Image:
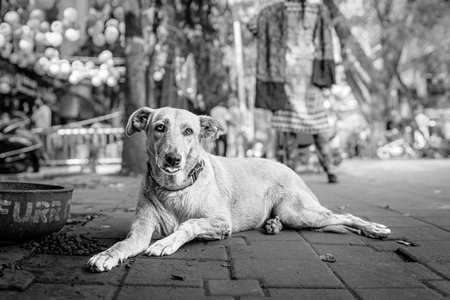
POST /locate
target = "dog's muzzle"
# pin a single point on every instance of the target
(173, 159)
(172, 162)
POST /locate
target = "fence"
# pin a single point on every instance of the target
(74, 146)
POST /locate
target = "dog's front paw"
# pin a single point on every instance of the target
(376, 231)
(104, 261)
(161, 248)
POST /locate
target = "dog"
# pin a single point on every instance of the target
(188, 193)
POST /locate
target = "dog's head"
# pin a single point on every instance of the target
(173, 136)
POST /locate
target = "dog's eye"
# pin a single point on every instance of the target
(160, 127)
(188, 131)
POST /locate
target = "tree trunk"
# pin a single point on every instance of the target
(169, 95)
(369, 85)
(133, 154)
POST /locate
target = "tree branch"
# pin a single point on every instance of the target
(349, 42)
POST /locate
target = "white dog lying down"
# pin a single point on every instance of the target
(189, 193)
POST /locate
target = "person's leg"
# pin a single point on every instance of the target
(225, 144)
(35, 156)
(322, 143)
(231, 142)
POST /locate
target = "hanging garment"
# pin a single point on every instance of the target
(270, 34)
(284, 73)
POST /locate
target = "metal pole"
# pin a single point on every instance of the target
(239, 57)
(240, 70)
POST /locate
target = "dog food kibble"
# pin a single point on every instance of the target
(64, 243)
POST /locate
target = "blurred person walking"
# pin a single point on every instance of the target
(235, 136)
(94, 146)
(222, 115)
(423, 123)
(42, 116)
(290, 78)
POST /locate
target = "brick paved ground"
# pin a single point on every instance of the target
(411, 197)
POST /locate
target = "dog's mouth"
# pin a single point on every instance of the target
(170, 171)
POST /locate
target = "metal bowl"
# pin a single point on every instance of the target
(30, 210)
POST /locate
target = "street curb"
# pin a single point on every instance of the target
(47, 173)
(35, 176)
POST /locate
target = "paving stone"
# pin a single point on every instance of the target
(233, 288)
(87, 197)
(306, 294)
(288, 273)
(64, 269)
(92, 201)
(419, 271)
(164, 293)
(399, 221)
(90, 208)
(419, 213)
(367, 193)
(438, 220)
(419, 234)
(234, 240)
(373, 274)
(397, 294)
(128, 204)
(58, 291)
(111, 226)
(441, 267)
(280, 250)
(315, 237)
(432, 251)
(16, 280)
(352, 254)
(259, 234)
(172, 272)
(197, 250)
(385, 245)
(10, 253)
(442, 286)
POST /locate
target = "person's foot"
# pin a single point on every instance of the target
(332, 178)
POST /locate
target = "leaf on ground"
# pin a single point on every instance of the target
(327, 258)
(405, 243)
(177, 277)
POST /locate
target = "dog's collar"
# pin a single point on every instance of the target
(192, 178)
(196, 171)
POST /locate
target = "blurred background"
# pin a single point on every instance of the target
(72, 72)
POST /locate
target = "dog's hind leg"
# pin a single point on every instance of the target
(273, 226)
(295, 214)
(344, 229)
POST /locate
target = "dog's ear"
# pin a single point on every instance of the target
(138, 120)
(209, 127)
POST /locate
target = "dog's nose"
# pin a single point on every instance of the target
(173, 159)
